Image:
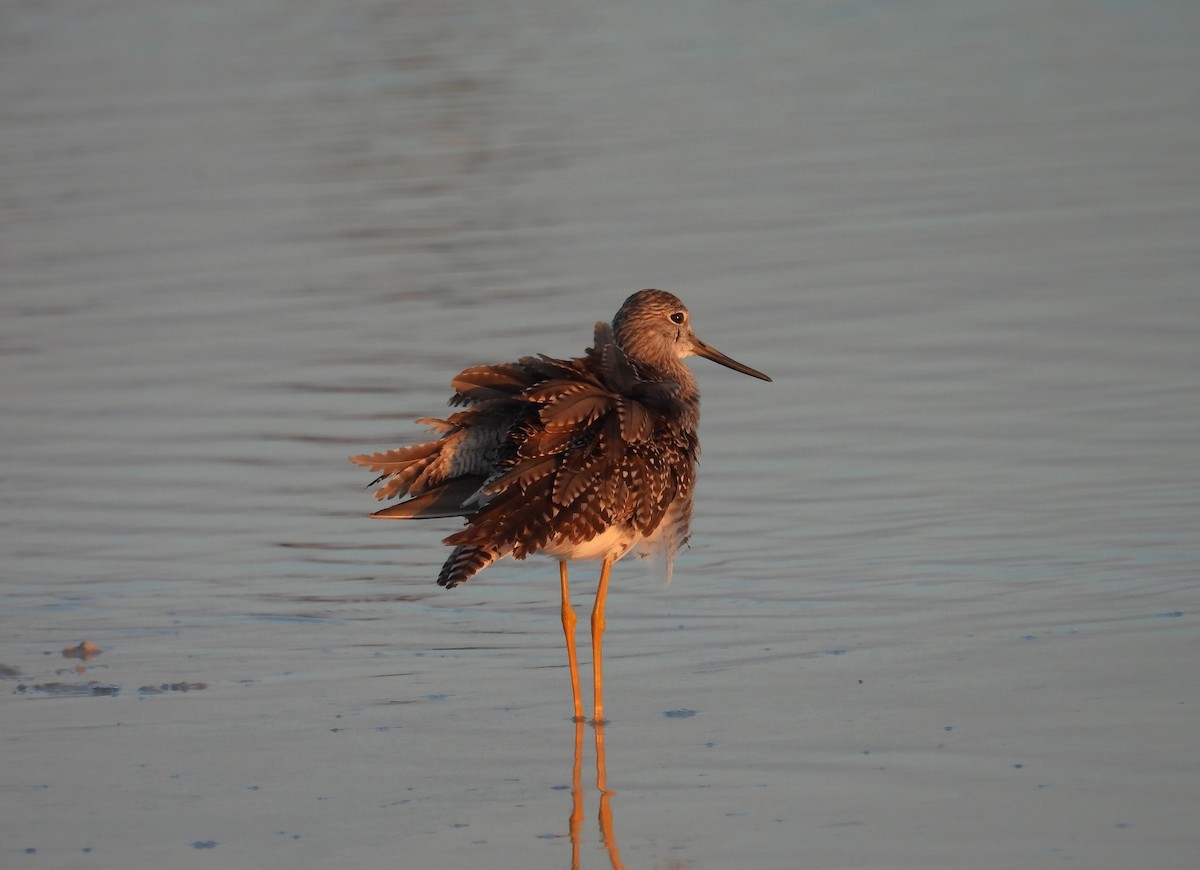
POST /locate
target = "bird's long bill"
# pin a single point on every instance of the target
(709, 352)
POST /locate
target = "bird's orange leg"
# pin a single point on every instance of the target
(597, 636)
(568, 621)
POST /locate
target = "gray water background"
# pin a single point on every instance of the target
(941, 604)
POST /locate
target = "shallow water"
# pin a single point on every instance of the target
(940, 608)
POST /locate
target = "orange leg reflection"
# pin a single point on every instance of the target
(607, 834)
(576, 821)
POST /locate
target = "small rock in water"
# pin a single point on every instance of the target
(85, 650)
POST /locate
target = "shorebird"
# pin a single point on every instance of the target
(589, 458)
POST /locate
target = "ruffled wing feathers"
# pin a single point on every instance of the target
(549, 453)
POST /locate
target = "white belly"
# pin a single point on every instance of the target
(614, 540)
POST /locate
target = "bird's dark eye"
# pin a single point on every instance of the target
(677, 317)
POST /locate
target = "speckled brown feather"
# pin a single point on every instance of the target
(576, 457)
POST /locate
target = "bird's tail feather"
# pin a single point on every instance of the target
(464, 563)
(448, 500)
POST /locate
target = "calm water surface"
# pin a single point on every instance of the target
(941, 605)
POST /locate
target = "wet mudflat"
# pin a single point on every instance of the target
(940, 608)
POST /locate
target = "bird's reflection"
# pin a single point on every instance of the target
(607, 835)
